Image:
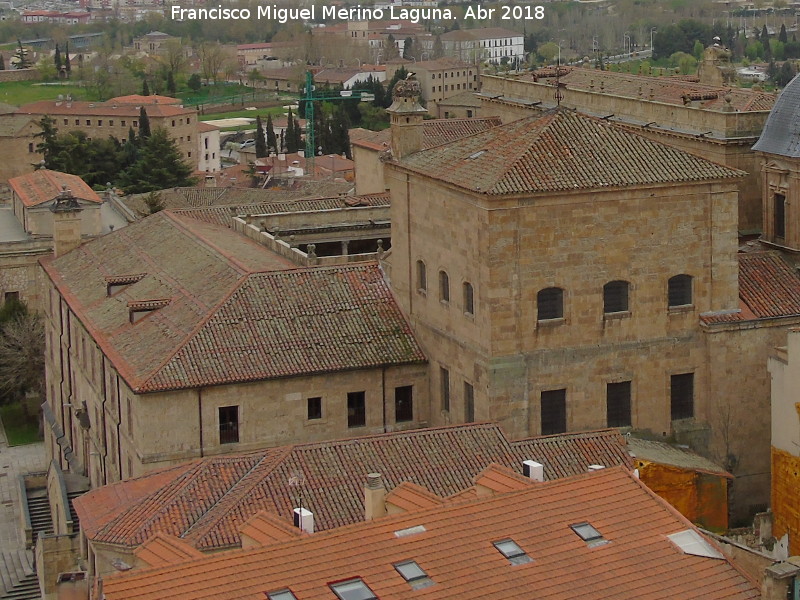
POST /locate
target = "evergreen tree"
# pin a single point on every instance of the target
(261, 143)
(408, 45)
(144, 125)
(145, 88)
(291, 145)
(22, 56)
(764, 34)
(782, 36)
(160, 165)
(194, 83)
(298, 134)
(2, 63)
(283, 141)
(67, 65)
(272, 142)
(438, 48)
(57, 59)
(399, 75)
(390, 51)
(171, 87)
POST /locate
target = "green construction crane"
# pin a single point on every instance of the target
(309, 98)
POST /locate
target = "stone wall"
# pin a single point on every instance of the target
(19, 75)
(20, 270)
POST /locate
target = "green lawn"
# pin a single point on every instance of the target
(19, 430)
(23, 92)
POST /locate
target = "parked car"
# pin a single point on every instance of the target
(247, 144)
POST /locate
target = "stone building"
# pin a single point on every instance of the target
(564, 273)
(439, 79)
(117, 116)
(719, 123)
(176, 338)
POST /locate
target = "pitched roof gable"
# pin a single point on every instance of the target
(435, 132)
(456, 551)
(443, 460)
(560, 151)
(44, 185)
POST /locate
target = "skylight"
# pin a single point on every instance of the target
(477, 154)
(589, 534)
(691, 542)
(414, 574)
(410, 531)
(353, 589)
(512, 552)
(281, 595)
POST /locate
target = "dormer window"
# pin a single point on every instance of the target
(115, 283)
(138, 310)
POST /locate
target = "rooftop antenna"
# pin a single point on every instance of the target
(297, 480)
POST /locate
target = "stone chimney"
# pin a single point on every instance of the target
(66, 222)
(406, 115)
(778, 578)
(374, 497)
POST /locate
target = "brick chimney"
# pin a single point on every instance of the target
(374, 497)
(406, 115)
(66, 222)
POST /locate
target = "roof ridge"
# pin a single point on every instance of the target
(199, 525)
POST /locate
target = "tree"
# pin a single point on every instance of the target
(272, 142)
(160, 165)
(697, 50)
(548, 51)
(145, 88)
(144, 124)
(399, 75)
(291, 144)
(57, 59)
(390, 50)
(261, 142)
(194, 83)
(21, 354)
(67, 65)
(154, 202)
(2, 63)
(438, 48)
(171, 87)
(173, 56)
(212, 58)
(21, 54)
(785, 74)
(782, 36)
(408, 44)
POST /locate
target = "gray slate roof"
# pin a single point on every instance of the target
(781, 134)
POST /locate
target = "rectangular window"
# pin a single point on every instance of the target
(100, 122)
(314, 408)
(403, 404)
(88, 121)
(66, 121)
(618, 404)
(780, 215)
(123, 123)
(469, 402)
(554, 411)
(681, 395)
(228, 424)
(444, 383)
(111, 123)
(356, 409)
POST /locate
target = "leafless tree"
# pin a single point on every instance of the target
(22, 355)
(173, 55)
(212, 58)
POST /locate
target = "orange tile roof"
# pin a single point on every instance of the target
(768, 287)
(409, 496)
(105, 109)
(140, 100)
(226, 491)
(264, 528)
(224, 322)
(455, 549)
(162, 549)
(44, 185)
(672, 90)
(561, 151)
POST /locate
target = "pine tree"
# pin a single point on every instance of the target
(272, 142)
(2, 63)
(782, 36)
(408, 44)
(261, 144)
(22, 56)
(144, 124)
(145, 88)
(160, 165)
(171, 87)
(291, 146)
(298, 134)
(67, 66)
(438, 48)
(390, 50)
(57, 59)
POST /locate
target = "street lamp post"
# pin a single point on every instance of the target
(652, 30)
(626, 43)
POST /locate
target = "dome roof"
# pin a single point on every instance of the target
(781, 134)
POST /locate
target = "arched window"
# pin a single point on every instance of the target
(615, 296)
(469, 298)
(422, 276)
(679, 290)
(444, 286)
(550, 304)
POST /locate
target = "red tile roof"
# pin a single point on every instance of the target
(104, 109)
(226, 491)
(672, 90)
(237, 311)
(140, 100)
(454, 547)
(768, 287)
(435, 132)
(44, 185)
(560, 151)
(162, 549)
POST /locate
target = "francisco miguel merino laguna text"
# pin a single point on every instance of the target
(284, 15)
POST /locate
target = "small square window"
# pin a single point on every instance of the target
(414, 574)
(588, 534)
(281, 595)
(353, 589)
(314, 408)
(511, 550)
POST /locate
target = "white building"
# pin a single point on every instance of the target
(209, 159)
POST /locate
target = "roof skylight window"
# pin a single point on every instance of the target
(477, 154)
(589, 534)
(691, 542)
(413, 574)
(353, 589)
(512, 552)
(281, 595)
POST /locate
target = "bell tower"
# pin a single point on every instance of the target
(406, 115)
